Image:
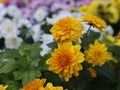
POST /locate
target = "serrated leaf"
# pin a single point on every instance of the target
(42, 64)
(18, 75)
(35, 50)
(10, 54)
(8, 66)
(30, 75)
(13, 85)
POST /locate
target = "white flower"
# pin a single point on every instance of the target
(24, 22)
(45, 49)
(1, 6)
(109, 30)
(36, 32)
(0, 33)
(8, 28)
(13, 42)
(76, 14)
(13, 11)
(16, 19)
(3, 12)
(47, 38)
(40, 14)
(86, 26)
(56, 17)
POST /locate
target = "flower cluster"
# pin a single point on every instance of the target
(66, 59)
(59, 44)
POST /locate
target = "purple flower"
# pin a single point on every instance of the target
(18, 3)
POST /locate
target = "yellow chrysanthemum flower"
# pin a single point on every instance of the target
(38, 84)
(35, 84)
(113, 14)
(83, 8)
(3, 87)
(65, 61)
(97, 54)
(94, 21)
(67, 29)
(49, 86)
(92, 72)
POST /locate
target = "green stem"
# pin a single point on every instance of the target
(88, 31)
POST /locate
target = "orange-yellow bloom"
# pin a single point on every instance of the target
(3, 87)
(38, 84)
(67, 29)
(94, 21)
(97, 54)
(49, 86)
(34, 85)
(65, 61)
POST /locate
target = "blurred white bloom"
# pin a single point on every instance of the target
(24, 22)
(13, 42)
(109, 30)
(36, 32)
(0, 33)
(76, 14)
(2, 13)
(40, 14)
(45, 49)
(56, 17)
(47, 38)
(8, 28)
(16, 19)
(86, 27)
(14, 11)
(1, 6)
(2, 50)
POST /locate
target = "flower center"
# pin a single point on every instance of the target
(65, 61)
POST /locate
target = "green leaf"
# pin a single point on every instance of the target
(8, 66)
(10, 54)
(90, 38)
(35, 50)
(118, 86)
(42, 64)
(52, 45)
(13, 85)
(115, 51)
(18, 75)
(106, 71)
(51, 77)
(117, 71)
(24, 48)
(30, 75)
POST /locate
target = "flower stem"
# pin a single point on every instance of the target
(88, 31)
